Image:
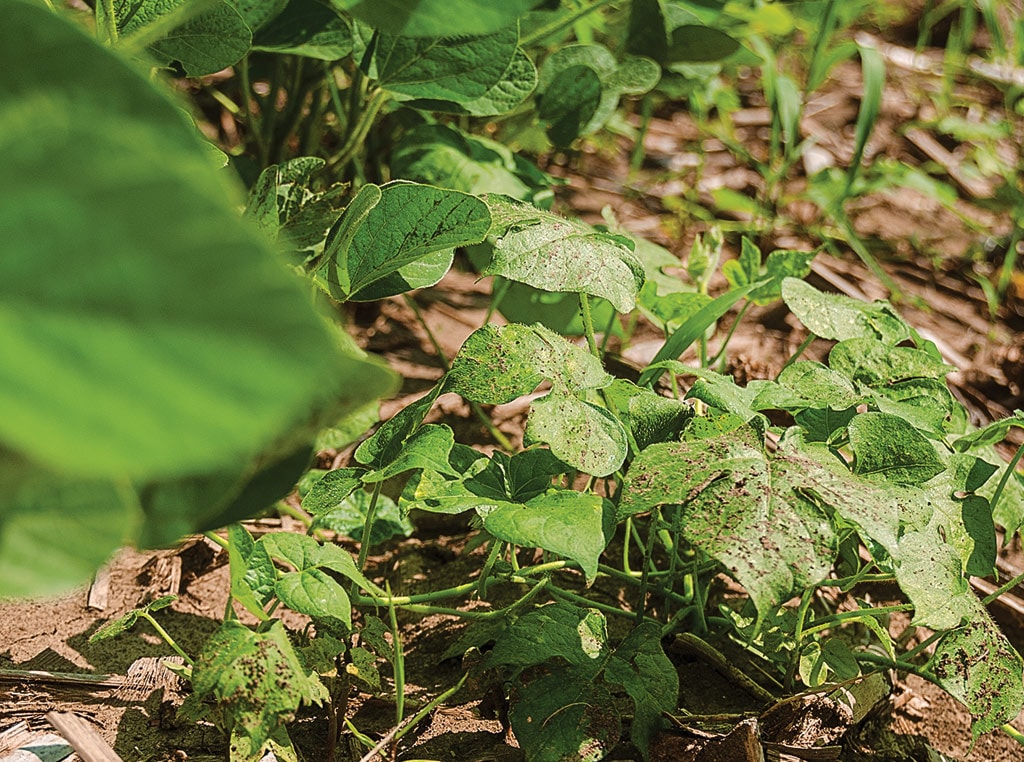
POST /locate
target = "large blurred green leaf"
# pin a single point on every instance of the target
(437, 18)
(145, 327)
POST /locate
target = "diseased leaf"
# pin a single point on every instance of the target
(888, 447)
(752, 514)
(978, 666)
(875, 363)
(585, 436)
(386, 443)
(838, 317)
(317, 595)
(349, 517)
(331, 490)
(565, 522)
(497, 364)
(428, 447)
(555, 254)
(256, 679)
(641, 667)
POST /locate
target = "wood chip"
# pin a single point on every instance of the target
(89, 744)
(41, 747)
(99, 591)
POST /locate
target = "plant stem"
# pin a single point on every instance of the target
(1010, 470)
(648, 555)
(399, 666)
(252, 118)
(690, 643)
(562, 23)
(826, 623)
(799, 351)
(166, 637)
(216, 539)
(720, 354)
(371, 514)
(588, 325)
(357, 136)
(109, 25)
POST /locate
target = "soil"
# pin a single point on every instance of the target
(929, 252)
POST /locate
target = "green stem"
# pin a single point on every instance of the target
(109, 25)
(361, 129)
(799, 351)
(371, 514)
(732, 329)
(898, 664)
(216, 539)
(648, 557)
(252, 118)
(562, 23)
(828, 622)
(603, 607)
(1010, 470)
(1008, 586)
(588, 325)
(1013, 733)
(166, 637)
(399, 663)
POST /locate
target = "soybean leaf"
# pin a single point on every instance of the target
(256, 679)
(837, 317)
(646, 34)
(444, 68)
(256, 13)
(55, 531)
(331, 490)
(565, 716)
(692, 43)
(349, 517)
(888, 447)
(307, 28)
(819, 385)
(498, 364)
(253, 574)
(650, 417)
(203, 44)
(316, 594)
(428, 447)
(125, 622)
(585, 436)
(165, 336)
(978, 666)
(437, 18)
(641, 667)
(989, 435)
(388, 227)
(566, 522)
(927, 403)
(750, 513)
(555, 254)
(438, 154)
(386, 443)
(579, 87)
(874, 363)
(512, 88)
